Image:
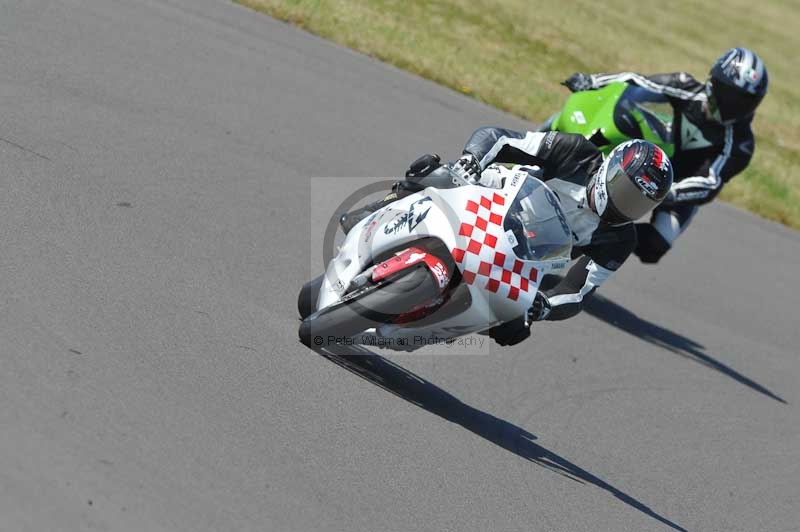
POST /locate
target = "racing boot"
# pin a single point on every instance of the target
(650, 245)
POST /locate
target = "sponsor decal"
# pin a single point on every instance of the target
(691, 136)
(415, 219)
(551, 136)
(440, 272)
(512, 240)
(395, 225)
(646, 184)
(415, 257)
(600, 194)
(410, 219)
(371, 223)
(578, 117)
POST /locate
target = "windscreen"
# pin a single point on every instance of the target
(537, 223)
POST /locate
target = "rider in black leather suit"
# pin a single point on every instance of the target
(713, 137)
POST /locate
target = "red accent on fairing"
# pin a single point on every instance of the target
(411, 257)
(523, 284)
(397, 263)
(501, 271)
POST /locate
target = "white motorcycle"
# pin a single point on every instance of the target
(439, 264)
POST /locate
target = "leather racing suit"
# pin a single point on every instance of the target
(707, 154)
(567, 162)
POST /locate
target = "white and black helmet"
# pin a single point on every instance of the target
(736, 85)
(633, 179)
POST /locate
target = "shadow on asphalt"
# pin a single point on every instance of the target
(616, 315)
(426, 395)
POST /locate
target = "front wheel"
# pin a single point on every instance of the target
(369, 307)
(307, 298)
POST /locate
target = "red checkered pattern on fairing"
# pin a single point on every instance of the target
(478, 258)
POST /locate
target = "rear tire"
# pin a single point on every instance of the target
(369, 307)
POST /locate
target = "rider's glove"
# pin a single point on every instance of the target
(468, 168)
(540, 308)
(578, 82)
(491, 179)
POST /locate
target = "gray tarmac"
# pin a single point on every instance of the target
(157, 218)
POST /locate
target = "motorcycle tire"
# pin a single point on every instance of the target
(368, 307)
(307, 298)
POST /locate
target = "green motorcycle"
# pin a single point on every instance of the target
(616, 113)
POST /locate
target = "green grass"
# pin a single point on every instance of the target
(512, 54)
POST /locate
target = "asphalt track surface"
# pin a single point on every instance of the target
(157, 219)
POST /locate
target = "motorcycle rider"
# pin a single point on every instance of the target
(600, 198)
(713, 138)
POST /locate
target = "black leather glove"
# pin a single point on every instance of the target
(510, 333)
(540, 308)
(467, 167)
(578, 82)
